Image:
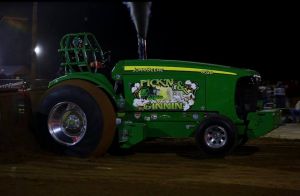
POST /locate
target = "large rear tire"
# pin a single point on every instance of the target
(76, 118)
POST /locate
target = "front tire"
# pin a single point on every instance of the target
(75, 118)
(216, 136)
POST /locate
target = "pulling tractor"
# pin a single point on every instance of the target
(88, 112)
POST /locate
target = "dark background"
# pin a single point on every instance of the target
(256, 36)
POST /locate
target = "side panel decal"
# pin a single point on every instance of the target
(164, 94)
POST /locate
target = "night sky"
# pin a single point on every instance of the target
(256, 36)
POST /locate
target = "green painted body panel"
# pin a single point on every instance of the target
(131, 134)
(220, 93)
(262, 122)
(215, 93)
(171, 129)
(157, 124)
(96, 78)
(119, 68)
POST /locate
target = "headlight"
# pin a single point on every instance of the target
(257, 78)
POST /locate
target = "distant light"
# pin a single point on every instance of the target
(37, 50)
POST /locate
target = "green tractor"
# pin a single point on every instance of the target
(87, 112)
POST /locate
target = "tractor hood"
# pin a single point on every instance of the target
(158, 66)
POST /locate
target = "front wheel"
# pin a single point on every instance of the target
(216, 136)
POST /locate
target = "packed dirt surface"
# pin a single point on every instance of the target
(163, 167)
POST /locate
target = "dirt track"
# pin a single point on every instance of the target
(262, 167)
(163, 167)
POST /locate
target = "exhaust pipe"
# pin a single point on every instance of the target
(142, 47)
(140, 14)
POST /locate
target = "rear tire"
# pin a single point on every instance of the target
(75, 118)
(216, 136)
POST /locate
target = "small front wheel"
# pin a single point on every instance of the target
(216, 136)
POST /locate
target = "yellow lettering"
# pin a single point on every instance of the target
(178, 106)
(153, 83)
(169, 82)
(147, 107)
(168, 106)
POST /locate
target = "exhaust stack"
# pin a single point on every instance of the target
(140, 12)
(142, 47)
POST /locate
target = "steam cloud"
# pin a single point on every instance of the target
(140, 12)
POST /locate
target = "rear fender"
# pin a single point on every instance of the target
(98, 79)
